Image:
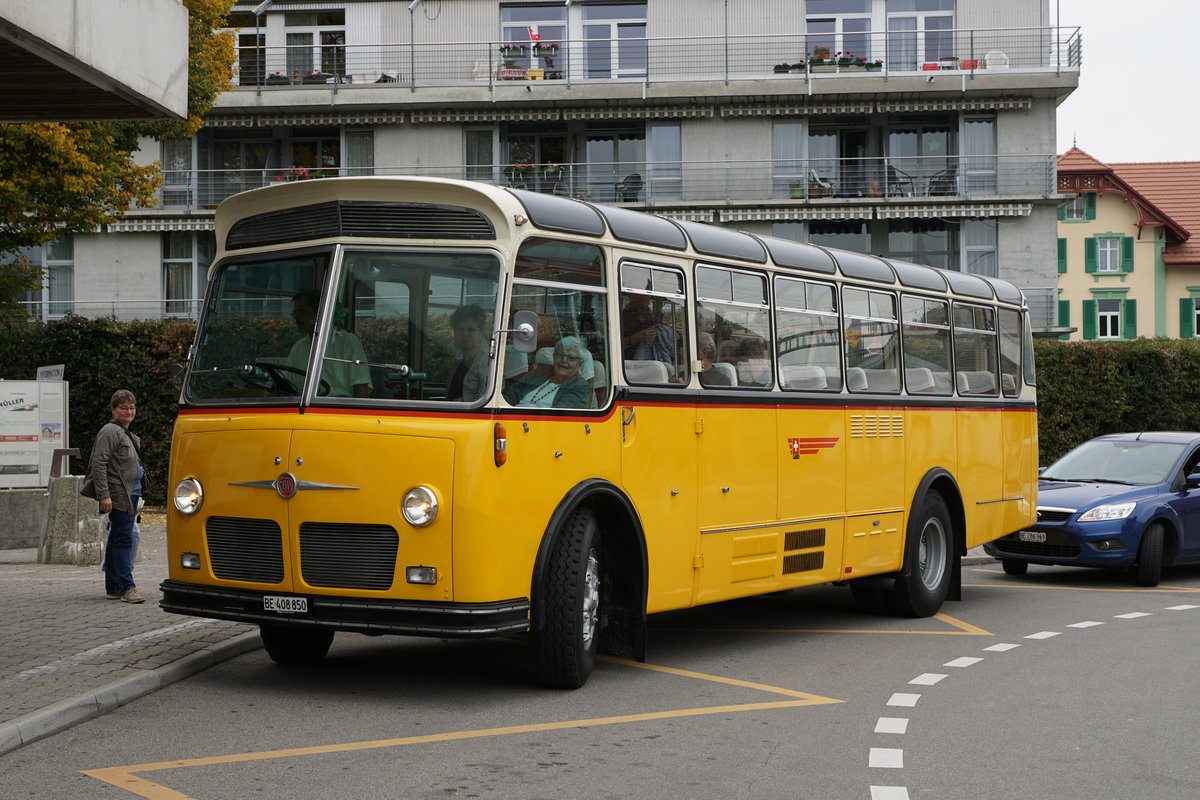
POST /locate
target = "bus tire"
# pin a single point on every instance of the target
(295, 646)
(928, 551)
(1014, 567)
(565, 648)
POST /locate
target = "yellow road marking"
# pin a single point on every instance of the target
(125, 777)
(964, 629)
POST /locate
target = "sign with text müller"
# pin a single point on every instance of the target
(33, 424)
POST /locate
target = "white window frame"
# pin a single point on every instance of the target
(1076, 209)
(1108, 320)
(1108, 254)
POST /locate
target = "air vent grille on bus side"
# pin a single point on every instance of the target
(360, 220)
(804, 540)
(803, 562)
(245, 549)
(348, 556)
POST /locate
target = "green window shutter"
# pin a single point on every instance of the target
(1187, 318)
(1064, 316)
(1129, 318)
(1062, 212)
(1089, 205)
(1089, 255)
(1127, 254)
(1089, 319)
(1062, 256)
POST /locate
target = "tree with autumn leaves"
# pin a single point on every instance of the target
(57, 179)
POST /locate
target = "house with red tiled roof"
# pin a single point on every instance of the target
(1128, 248)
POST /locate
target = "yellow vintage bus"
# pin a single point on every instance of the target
(442, 408)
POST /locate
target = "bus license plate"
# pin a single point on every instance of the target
(1031, 536)
(285, 605)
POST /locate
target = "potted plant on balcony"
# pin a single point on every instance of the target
(783, 68)
(513, 51)
(874, 66)
(545, 49)
(553, 172)
(845, 60)
(819, 60)
(303, 174)
(518, 173)
(278, 79)
(796, 188)
(511, 72)
(315, 76)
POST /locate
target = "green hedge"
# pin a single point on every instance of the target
(102, 356)
(1084, 388)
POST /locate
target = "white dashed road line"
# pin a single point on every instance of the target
(893, 757)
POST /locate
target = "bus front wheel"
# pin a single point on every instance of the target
(928, 550)
(565, 649)
(287, 645)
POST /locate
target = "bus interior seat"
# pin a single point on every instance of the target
(856, 379)
(942, 383)
(976, 382)
(882, 380)
(599, 383)
(723, 375)
(1008, 383)
(803, 376)
(646, 371)
(751, 371)
(919, 379)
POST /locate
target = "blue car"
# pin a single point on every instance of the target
(1126, 500)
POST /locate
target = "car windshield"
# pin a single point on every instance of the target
(400, 322)
(1111, 461)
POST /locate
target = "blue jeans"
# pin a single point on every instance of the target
(120, 551)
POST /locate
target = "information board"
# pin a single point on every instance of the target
(33, 424)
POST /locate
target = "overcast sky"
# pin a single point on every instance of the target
(1139, 88)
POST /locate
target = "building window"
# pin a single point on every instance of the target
(1108, 254)
(979, 247)
(1108, 319)
(845, 234)
(926, 241)
(919, 32)
(316, 42)
(541, 23)
(186, 257)
(177, 172)
(1076, 209)
(615, 40)
(841, 26)
(56, 297)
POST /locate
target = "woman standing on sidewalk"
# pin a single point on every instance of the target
(116, 472)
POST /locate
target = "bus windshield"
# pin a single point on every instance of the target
(387, 326)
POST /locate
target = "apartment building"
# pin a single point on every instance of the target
(918, 129)
(1127, 263)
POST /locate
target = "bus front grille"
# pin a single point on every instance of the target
(245, 549)
(348, 556)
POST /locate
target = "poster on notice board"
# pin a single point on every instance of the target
(33, 424)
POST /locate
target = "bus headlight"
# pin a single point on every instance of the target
(189, 496)
(420, 506)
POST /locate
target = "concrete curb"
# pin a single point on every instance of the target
(60, 716)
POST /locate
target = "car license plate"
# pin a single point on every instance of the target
(285, 605)
(1031, 536)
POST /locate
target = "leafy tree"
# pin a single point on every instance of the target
(58, 179)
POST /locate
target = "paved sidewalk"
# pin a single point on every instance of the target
(67, 654)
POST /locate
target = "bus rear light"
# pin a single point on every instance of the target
(427, 575)
(501, 436)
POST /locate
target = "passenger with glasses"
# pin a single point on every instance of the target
(558, 385)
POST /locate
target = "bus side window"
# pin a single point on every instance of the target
(653, 325)
(732, 309)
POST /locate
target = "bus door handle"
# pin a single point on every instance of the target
(625, 421)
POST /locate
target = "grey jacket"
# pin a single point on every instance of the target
(113, 468)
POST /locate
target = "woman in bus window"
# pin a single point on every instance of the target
(560, 386)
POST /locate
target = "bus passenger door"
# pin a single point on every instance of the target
(658, 473)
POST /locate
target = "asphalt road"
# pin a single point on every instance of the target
(1061, 684)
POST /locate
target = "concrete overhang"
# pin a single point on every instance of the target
(78, 60)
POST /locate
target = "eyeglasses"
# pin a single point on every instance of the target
(563, 355)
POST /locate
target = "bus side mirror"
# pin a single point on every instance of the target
(524, 331)
(177, 371)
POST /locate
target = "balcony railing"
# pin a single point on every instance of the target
(660, 59)
(647, 183)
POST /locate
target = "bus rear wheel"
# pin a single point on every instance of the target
(299, 646)
(565, 649)
(928, 550)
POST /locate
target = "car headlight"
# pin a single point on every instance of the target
(420, 506)
(1113, 511)
(189, 496)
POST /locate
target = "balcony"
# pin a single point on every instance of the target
(647, 184)
(776, 57)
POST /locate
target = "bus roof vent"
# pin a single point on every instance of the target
(360, 220)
